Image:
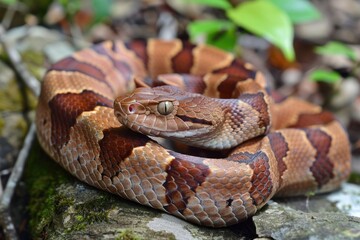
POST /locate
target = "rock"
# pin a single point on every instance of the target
(282, 222)
(61, 207)
(345, 16)
(316, 31)
(291, 77)
(356, 109)
(348, 91)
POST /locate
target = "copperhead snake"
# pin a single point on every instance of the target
(294, 148)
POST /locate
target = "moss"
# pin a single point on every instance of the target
(42, 176)
(34, 62)
(11, 99)
(90, 212)
(126, 234)
(2, 124)
(355, 178)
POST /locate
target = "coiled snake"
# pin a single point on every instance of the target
(295, 147)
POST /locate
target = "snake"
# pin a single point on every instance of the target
(104, 111)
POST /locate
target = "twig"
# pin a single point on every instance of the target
(15, 176)
(19, 67)
(5, 216)
(9, 15)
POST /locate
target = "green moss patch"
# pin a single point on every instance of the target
(42, 176)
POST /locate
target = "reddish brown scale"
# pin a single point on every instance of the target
(226, 88)
(139, 48)
(115, 147)
(72, 65)
(261, 181)
(65, 108)
(184, 175)
(183, 61)
(194, 84)
(237, 69)
(322, 168)
(305, 120)
(257, 101)
(280, 149)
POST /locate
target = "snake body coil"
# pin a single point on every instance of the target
(295, 147)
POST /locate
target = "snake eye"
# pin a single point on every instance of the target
(131, 108)
(165, 108)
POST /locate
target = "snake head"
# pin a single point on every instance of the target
(166, 111)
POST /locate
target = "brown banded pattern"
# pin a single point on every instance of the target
(304, 150)
(322, 168)
(65, 108)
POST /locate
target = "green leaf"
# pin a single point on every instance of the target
(266, 20)
(325, 76)
(336, 48)
(101, 9)
(8, 2)
(206, 27)
(222, 4)
(225, 40)
(219, 33)
(299, 11)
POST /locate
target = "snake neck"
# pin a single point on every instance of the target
(244, 118)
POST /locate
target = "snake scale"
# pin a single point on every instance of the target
(216, 101)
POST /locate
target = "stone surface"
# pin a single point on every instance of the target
(282, 222)
(64, 208)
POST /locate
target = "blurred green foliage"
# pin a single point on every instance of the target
(332, 48)
(270, 19)
(336, 48)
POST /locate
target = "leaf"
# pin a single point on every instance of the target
(197, 28)
(336, 48)
(225, 40)
(299, 11)
(101, 9)
(222, 4)
(325, 76)
(8, 2)
(219, 33)
(266, 20)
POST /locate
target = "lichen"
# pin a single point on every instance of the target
(126, 234)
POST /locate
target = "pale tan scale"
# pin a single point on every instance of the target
(116, 80)
(161, 63)
(173, 80)
(215, 59)
(291, 117)
(247, 86)
(73, 82)
(298, 174)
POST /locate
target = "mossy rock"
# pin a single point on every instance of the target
(62, 207)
